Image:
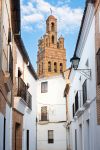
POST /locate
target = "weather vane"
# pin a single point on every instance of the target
(51, 11)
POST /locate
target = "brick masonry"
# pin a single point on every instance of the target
(49, 51)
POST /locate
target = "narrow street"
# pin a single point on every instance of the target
(49, 75)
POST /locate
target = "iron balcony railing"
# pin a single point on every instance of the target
(23, 92)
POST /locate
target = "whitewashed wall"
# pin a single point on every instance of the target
(30, 115)
(85, 52)
(56, 105)
(5, 24)
(29, 118)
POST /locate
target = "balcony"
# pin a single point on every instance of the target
(23, 92)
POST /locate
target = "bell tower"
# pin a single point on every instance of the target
(51, 57)
(51, 29)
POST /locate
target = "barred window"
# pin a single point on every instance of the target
(52, 26)
(44, 113)
(84, 87)
(50, 136)
(76, 102)
(53, 39)
(61, 67)
(44, 87)
(49, 66)
(55, 67)
(73, 109)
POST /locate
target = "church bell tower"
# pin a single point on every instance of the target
(51, 57)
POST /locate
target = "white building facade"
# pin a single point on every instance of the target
(82, 127)
(6, 81)
(51, 113)
(24, 109)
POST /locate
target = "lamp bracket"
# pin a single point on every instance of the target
(85, 72)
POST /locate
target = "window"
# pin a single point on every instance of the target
(50, 136)
(27, 139)
(73, 109)
(10, 63)
(44, 87)
(84, 87)
(52, 39)
(98, 67)
(61, 67)
(49, 66)
(9, 36)
(55, 67)
(52, 26)
(19, 72)
(44, 113)
(76, 102)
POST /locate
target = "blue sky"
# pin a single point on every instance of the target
(34, 14)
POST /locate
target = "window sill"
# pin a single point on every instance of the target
(41, 122)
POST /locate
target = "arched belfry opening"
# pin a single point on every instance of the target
(53, 39)
(52, 26)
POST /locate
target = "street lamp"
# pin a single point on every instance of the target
(75, 62)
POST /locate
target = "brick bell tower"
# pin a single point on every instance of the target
(51, 57)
